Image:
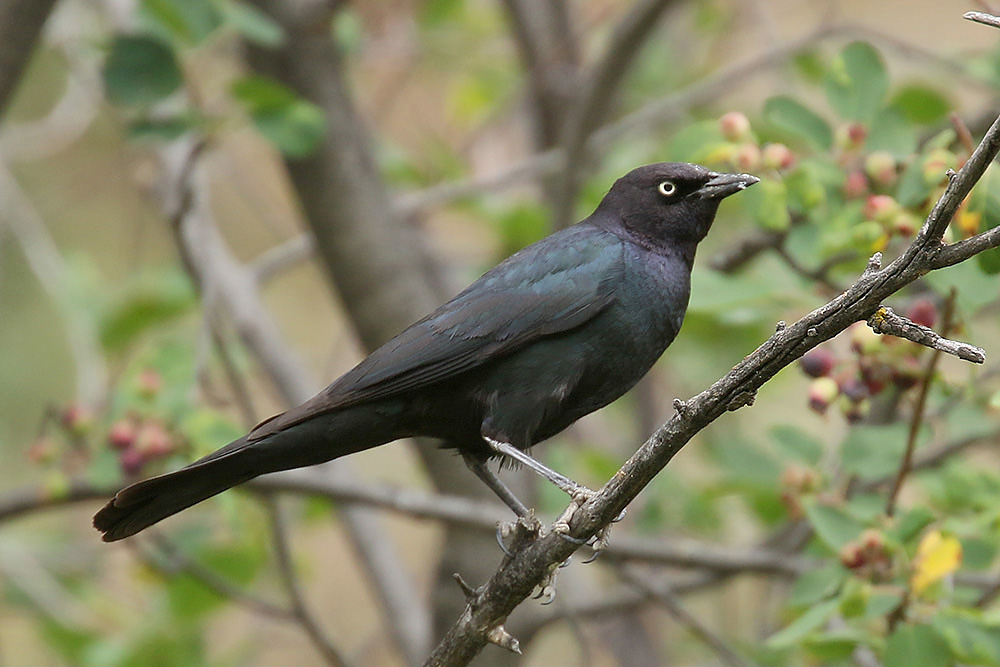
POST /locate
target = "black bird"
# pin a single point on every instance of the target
(554, 332)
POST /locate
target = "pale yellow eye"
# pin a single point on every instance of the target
(667, 188)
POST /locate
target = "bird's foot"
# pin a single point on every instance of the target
(516, 532)
(546, 589)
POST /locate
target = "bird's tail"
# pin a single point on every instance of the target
(327, 437)
(144, 503)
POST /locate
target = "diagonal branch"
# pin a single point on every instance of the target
(530, 564)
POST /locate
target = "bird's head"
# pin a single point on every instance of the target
(670, 201)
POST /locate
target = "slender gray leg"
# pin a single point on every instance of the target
(565, 483)
(478, 466)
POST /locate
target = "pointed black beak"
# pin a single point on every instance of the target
(723, 185)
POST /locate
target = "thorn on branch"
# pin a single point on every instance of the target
(504, 639)
(885, 321)
(681, 407)
(780, 326)
(469, 591)
(742, 399)
(874, 265)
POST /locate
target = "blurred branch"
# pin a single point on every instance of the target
(377, 265)
(331, 655)
(171, 561)
(600, 92)
(542, 550)
(21, 23)
(665, 596)
(227, 284)
(45, 260)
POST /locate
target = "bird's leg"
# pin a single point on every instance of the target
(504, 528)
(579, 493)
(478, 466)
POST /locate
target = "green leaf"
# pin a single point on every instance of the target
(152, 300)
(911, 524)
(296, 130)
(971, 639)
(254, 25)
(874, 451)
(920, 104)
(291, 123)
(798, 629)
(261, 92)
(857, 82)
(805, 190)
(190, 21)
(791, 118)
(767, 205)
(795, 444)
(833, 526)
(140, 70)
(816, 585)
(913, 190)
(890, 131)
(915, 646)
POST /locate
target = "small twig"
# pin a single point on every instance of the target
(885, 321)
(331, 654)
(984, 18)
(666, 596)
(925, 383)
(282, 257)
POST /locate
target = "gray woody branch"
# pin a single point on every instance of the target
(541, 550)
(885, 321)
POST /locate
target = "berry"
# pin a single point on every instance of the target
(777, 156)
(153, 440)
(42, 451)
(131, 461)
(856, 185)
(881, 168)
(747, 157)
(822, 392)
(734, 126)
(121, 435)
(78, 419)
(864, 340)
(817, 362)
(922, 311)
(880, 208)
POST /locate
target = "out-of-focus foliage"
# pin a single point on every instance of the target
(852, 160)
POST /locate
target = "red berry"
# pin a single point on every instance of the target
(880, 208)
(78, 419)
(817, 362)
(922, 311)
(42, 451)
(747, 157)
(153, 440)
(852, 556)
(121, 435)
(822, 392)
(777, 156)
(881, 168)
(131, 461)
(734, 126)
(856, 185)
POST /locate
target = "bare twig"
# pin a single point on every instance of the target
(885, 321)
(916, 420)
(331, 654)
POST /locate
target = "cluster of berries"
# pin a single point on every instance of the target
(876, 363)
(136, 439)
(744, 152)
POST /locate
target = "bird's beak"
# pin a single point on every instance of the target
(723, 185)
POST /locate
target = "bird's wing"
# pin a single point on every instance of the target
(553, 286)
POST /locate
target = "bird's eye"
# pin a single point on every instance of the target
(667, 188)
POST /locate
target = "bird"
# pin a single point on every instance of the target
(557, 330)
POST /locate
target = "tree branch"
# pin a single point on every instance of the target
(530, 564)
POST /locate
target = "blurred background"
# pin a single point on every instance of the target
(209, 209)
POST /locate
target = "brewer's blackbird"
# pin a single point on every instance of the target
(556, 331)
